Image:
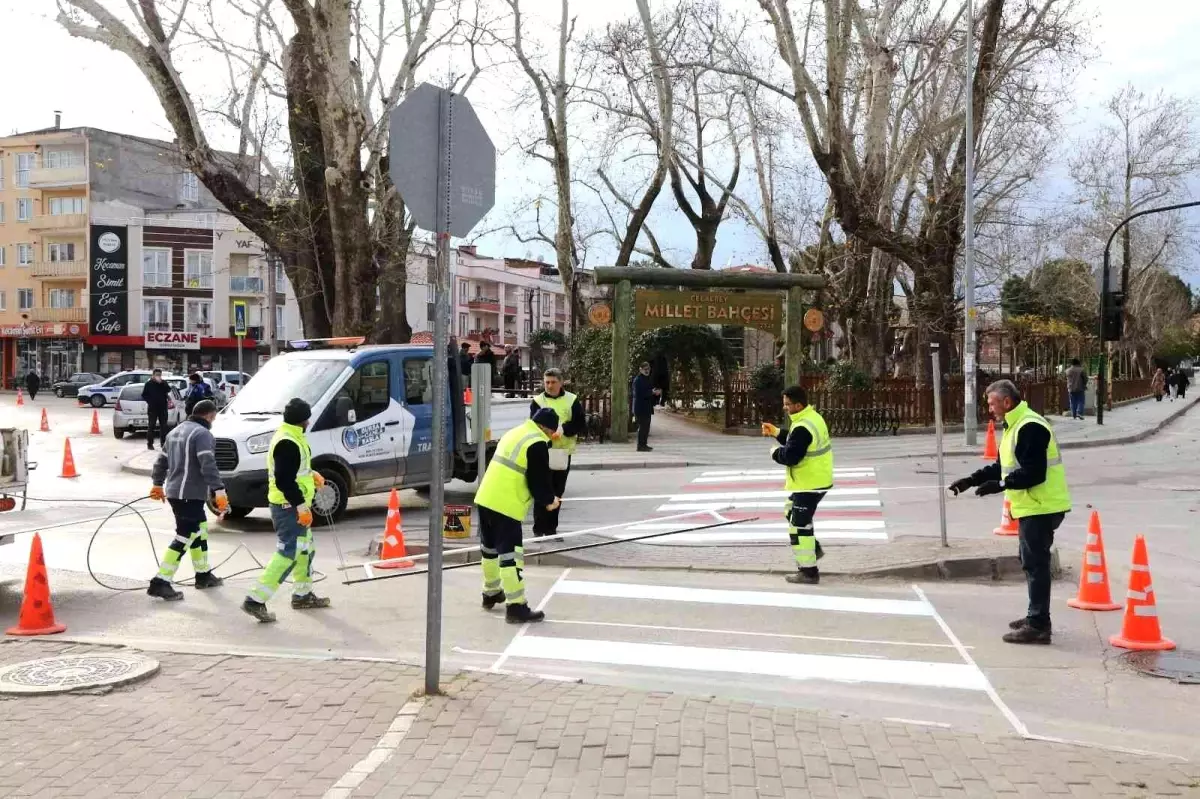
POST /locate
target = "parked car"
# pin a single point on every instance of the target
(98, 394)
(130, 413)
(70, 387)
(226, 380)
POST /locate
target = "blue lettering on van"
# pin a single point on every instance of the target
(356, 437)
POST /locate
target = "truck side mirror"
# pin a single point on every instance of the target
(344, 411)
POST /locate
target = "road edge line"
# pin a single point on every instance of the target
(381, 753)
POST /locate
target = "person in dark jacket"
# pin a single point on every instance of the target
(184, 475)
(644, 395)
(510, 370)
(487, 356)
(197, 390)
(464, 363)
(569, 410)
(1181, 383)
(156, 393)
(33, 382)
(660, 378)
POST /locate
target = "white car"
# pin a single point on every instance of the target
(227, 380)
(130, 413)
(99, 394)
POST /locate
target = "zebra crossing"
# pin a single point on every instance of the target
(852, 512)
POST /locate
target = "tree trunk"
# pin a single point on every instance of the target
(706, 244)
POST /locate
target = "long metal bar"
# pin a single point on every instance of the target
(970, 390)
(575, 548)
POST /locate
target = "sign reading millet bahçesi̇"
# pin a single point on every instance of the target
(108, 280)
(761, 310)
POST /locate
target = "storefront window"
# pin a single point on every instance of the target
(110, 363)
(55, 358)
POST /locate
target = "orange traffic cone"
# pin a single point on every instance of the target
(95, 423)
(45, 422)
(467, 396)
(37, 614)
(68, 467)
(393, 538)
(990, 451)
(20, 397)
(1008, 525)
(1140, 629)
(1093, 578)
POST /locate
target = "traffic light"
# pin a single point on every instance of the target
(1112, 322)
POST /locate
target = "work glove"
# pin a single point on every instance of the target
(318, 480)
(221, 500)
(304, 516)
(989, 488)
(959, 486)
(157, 493)
(769, 430)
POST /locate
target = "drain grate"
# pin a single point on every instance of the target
(74, 672)
(1180, 666)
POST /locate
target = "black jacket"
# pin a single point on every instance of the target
(537, 473)
(156, 394)
(574, 426)
(643, 395)
(32, 381)
(795, 444)
(464, 363)
(287, 465)
(1030, 452)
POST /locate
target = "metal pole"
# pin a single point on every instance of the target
(937, 423)
(272, 333)
(241, 340)
(441, 377)
(970, 412)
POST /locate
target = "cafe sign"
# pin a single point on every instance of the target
(761, 310)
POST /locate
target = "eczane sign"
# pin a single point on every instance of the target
(171, 340)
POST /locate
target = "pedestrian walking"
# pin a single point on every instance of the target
(1181, 383)
(33, 382)
(185, 474)
(464, 362)
(517, 477)
(572, 421)
(291, 486)
(197, 390)
(1076, 388)
(487, 356)
(660, 378)
(1172, 383)
(806, 451)
(1030, 472)
(1158, 383)
(643, 395)
(156, 393)
(510, 370)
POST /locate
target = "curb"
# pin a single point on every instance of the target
(129, 467)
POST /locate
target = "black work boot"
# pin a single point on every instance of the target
(258, 610)
(208, 580)
(492, 600)
(820, 552)
(519, 614)
(1017, 624)
(162, 589)
(1027, 635)
(309, 601)
(806, 576)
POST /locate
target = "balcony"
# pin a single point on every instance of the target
(484, 304)
(59, 222)
(510, 341)
(510, 310)
(253, 332)
(60, 270)
(47, 177)
(241, 284)
(58, 314)
(198, 327)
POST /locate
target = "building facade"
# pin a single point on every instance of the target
(69, 304)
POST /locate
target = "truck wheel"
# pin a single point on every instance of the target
(330, 502)
(97, 400)
(423, 491)
(58, 392)
(118, 433)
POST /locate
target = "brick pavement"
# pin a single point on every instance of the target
(256, 727)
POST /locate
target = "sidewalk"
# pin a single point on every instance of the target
(256, 727)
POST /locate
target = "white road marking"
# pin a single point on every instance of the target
(718, 536)
(790, 636)
(677, 507)
(738, 495)
(384, 748)
(766, 599)
(823, 526)
(507, 653)
(837, 471)
(836, 668)
(918, 722)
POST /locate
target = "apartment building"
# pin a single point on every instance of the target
(104, 237)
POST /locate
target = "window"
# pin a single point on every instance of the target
(1, 204)
(3, 302)
(24, 165)
(280, 280)
(1, 177)
(198, 316)
(528, 328)
(24, 254)
(189, 188)
(197, 270)
(462, 324)
(156, 268)
(24, 299)
(24, 209)
(66, 205)
(463, 291)
(62, 298)
(418, 381)
(62, 158)
(545, 301)
(369, 389)
(280, 334)
(3, 250)
(156, 315)
(60, 252)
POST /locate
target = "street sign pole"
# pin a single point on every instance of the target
(937, 421)
(239, 332)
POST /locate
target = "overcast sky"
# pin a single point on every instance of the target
(1152, 44)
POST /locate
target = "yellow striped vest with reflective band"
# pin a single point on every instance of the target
(561, 405)
(815, 470)
(1051, 496)
(504, 489)
(304, 477)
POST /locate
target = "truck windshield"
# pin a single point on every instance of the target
(280, 379)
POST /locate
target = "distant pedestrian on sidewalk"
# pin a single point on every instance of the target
(33, 383)
(1158, 383)
(184, 474)
(510, 370)
(464, 362)
(1181, 383)
(1076, 388)
(1030, 473)
(643, 395)
(157, 395)
(807, 452)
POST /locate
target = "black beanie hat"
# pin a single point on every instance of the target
(546, 417)
(296, 411)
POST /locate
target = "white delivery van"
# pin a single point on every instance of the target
(371, 427)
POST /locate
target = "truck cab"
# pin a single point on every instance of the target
(371, 427)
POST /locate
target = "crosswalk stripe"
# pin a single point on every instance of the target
(836, 492)
(848, 470)
(767, 599)
(822, 525)
(679, 507)
(838, 668)
(780, 537)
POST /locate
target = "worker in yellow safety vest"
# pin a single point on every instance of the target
(517, 477)
(807, 453)
(1030, 472)
(569, 410)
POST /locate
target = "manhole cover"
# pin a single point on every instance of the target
(72, 672)
(1180, 666)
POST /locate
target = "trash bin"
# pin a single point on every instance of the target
(456, 521)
